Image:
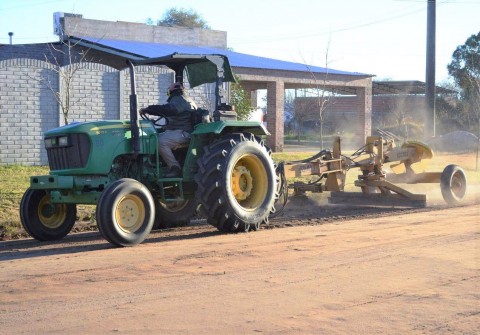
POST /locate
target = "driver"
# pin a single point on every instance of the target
(178, 110)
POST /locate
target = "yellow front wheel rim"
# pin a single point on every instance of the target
(130, 213)
(51, 215)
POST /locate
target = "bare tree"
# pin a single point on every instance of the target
(67, 61)
(323, 95)
(302, 115)
(73, 62)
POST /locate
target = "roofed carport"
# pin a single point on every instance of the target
(256, 73)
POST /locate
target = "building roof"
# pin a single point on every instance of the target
(404, 87)
(136, 50)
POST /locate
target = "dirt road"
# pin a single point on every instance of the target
(414, 272)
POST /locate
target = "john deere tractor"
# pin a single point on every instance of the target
(115, 165)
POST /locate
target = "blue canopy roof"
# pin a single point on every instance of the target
(141, 50)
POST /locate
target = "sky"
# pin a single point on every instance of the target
(385, 38)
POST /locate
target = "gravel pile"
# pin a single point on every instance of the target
(455, 142)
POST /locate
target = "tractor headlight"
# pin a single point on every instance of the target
(57, 142)
(62, 141)
(50, 142)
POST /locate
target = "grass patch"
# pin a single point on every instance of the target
(290, 156)
(15, 179)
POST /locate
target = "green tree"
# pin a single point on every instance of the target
(240, 99)
(182, 18)
(465, 71)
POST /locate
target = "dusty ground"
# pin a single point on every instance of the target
(330, 270)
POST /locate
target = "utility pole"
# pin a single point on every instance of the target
(430, 72)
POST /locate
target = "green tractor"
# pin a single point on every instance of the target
(115, 165)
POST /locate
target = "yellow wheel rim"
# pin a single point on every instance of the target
(51, 215)
(249, 182)
(242, 182)
(130, 213)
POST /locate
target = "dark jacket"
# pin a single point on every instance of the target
(178, 111)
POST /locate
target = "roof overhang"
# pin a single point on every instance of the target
(200, 68)
(136, 51)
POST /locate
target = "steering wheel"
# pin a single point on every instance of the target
(157, 120)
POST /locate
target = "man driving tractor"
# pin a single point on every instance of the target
(178, 111)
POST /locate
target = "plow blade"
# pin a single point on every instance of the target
(377, 199)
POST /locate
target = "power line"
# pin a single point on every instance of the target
(337, 30)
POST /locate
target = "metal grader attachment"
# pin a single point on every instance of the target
(382, 165)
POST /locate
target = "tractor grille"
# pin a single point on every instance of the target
(72, 156)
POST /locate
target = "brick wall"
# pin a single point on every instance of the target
(151, 85)
(94, 92)
(28, 107)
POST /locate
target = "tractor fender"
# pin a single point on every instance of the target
(221, 127)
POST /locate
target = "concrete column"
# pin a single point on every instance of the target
(121, 95)
(364, 105)
(253, 98)
(274, 117)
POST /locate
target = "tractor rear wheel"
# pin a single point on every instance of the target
(125, 212)
(44, 220)
(453, 184)
(236, 183)
(174, 214)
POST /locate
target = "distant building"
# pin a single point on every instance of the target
(394, 103)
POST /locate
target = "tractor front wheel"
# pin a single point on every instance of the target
(236, 183)
(43, 219)
(125, 212)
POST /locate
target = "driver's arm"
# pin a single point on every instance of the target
(166, 110)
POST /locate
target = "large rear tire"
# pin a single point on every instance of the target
(453, 184)
(174, 214)
(236, 183)
(44, 220)
(125, 212)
